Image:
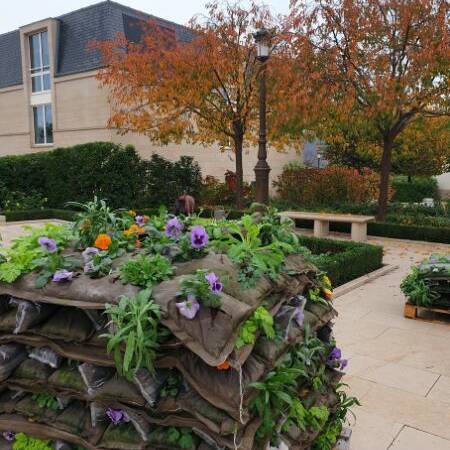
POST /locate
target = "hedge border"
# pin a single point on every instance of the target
(343, 260)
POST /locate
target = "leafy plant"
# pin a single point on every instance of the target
(260, 321)
(23, 255)
(276, 394)
(99, 265)
(51, 263)
(24, 442)
(145, 270)
(417, 290)
(95, 218)
(134, 334)
(245, 249)
(172, 385)
(198, 286)
(331, 432)
(181, 437)
(46, 401)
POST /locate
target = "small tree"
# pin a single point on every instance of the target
(383, 62)
(422, 149)
(202, 90)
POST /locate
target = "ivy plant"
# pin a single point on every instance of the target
(133, 339)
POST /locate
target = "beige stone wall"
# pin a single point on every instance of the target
(79, 104)
(13, 113)
(81, 111)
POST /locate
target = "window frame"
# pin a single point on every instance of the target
(44, 108)
(41, 71)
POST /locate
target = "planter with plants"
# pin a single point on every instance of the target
(162, 332)
(427, 288)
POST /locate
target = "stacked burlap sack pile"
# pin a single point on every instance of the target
(212, 386)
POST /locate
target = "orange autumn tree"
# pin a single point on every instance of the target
(381, 63)
(200, 90)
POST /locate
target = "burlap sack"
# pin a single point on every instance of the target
(221, 388)
(68, 325)
(83, 291)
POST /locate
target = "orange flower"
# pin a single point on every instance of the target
(224, 366)
(134, 229)
(103, 241)
(132, 213)
(328, 293)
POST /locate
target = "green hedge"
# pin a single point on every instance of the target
(110, 171)
(343, 260)
(416, 190)
(39, 214)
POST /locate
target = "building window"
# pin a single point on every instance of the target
(40, 62)
(43, 124)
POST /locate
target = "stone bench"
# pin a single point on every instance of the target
(322, 222)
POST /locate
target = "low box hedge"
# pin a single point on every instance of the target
(343, 260)
(391, 230)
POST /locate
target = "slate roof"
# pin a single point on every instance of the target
(101, 21)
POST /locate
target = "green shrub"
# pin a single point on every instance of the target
(343, 260)
(109, 171)
(415, 190)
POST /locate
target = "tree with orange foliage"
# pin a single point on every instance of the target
(202, 90)
(383, 62)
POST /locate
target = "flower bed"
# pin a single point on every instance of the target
(216, 335)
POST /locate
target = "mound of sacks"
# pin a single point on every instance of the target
(257, 369)
(428, 284)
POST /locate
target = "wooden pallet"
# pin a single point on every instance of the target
(412, 312)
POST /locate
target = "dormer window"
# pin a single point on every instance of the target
(40, 62)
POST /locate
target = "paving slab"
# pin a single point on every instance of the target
(412, 439)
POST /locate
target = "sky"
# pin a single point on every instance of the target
(16, 13)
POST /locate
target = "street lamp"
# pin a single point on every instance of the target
(262, 169)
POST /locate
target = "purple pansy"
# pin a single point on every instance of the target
(299, 316)
(335, 360)
(140, 220)
(89, 267)
(174, 228)
(89, 252)
(9, 435)
(215, 285)
(62, 275)
(189, 308)
(199, 237)
(49, 245)
(117, 416)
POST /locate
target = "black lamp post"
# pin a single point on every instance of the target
(262, 169)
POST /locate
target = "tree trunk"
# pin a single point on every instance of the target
(386, 163)
(238, 146)
(409, 179)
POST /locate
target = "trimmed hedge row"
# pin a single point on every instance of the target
(343, 260)
(107, 170)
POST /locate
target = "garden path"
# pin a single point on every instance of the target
(398, 368)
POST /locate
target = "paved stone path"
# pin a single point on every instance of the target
(399, 368)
